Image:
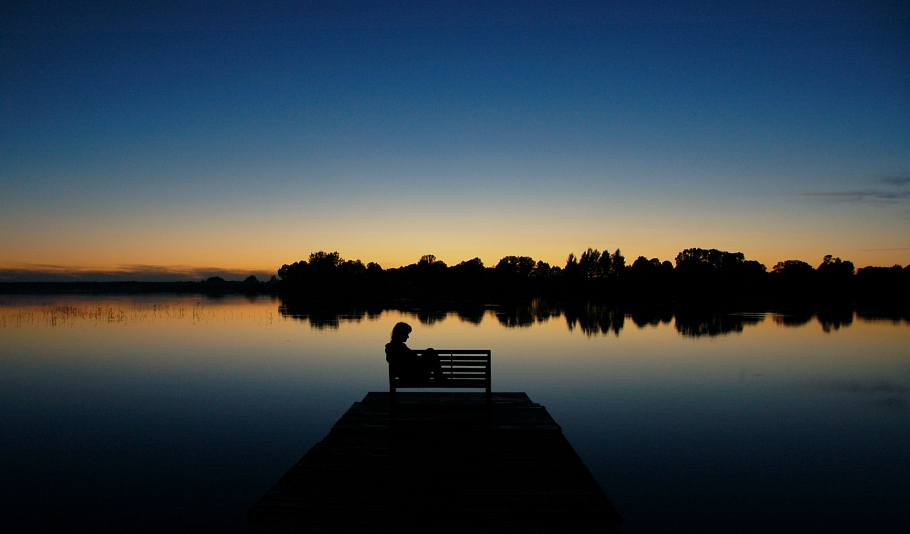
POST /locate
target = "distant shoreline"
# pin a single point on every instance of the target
(11, 288)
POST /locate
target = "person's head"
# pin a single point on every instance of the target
(400, 332)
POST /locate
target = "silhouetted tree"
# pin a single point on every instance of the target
(351, 268)
(293, 271)
(469, 271)
(328, 275)
(542, 269)
(702, 261)
(793, 270)
(589, 263)
(833, 268)
(618, 262)
(884, 284)
(605, 265)
(891, 274)
(515, 266)
(427, 259)
(325, 261)
(426, 272)
(473, 264)
(571, 270)
(795, 282)
(642, 266)
(712, 276)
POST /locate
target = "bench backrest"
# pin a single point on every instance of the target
(470, 367)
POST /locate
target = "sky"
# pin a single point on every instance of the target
(178, 140)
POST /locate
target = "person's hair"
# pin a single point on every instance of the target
(400, 330)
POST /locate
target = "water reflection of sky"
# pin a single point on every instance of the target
(153, 411)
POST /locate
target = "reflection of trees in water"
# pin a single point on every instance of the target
(326, 317)
(793, 317)
(517, 316)
(331, 316)
(643, 317)
(705, 323)
(430, 316)
(473, 315)
(593, 319)
(829, 318)
(834, 318)
(885, 314)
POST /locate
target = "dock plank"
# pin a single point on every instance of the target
(440, 462)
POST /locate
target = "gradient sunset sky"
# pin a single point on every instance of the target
(201, 138)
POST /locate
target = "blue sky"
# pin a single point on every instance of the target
(194, 137)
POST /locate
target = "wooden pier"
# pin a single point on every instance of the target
(442, 463)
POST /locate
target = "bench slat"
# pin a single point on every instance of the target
(466, 356)
(432, 384)
(456, 351)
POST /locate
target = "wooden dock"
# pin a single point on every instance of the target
(442, 463)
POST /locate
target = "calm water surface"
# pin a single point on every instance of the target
(161, 413)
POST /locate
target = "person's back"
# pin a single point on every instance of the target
(402, 359)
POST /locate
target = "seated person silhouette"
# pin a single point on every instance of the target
(407, 364)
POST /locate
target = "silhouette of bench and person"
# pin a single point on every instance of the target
(409, 365)
(429, 368)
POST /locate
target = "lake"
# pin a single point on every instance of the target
(156, 413)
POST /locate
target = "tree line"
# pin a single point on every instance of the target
(697, 275)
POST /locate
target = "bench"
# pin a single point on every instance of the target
(464, 368)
